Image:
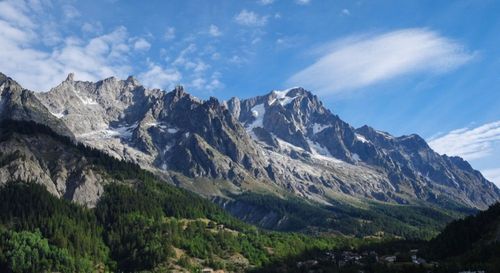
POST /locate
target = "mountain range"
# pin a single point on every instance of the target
(284, 144)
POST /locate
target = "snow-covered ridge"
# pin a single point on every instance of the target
(319, 127)
(281, 96)
(361, 138)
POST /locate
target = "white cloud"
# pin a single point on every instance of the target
(142, 44)
(200, 67)
(302, 2)
(209, 84)
(70, 12)
(361, 61)
(159, 77)
(14, 12)
(346, 12)
(250, 18)
(265, 2)
(469, 143)
(92, 28)
(183, 58)
(102, 56)
(235, 59)
(39, 59)
(492, 175)
(169, 34)
(214, 31)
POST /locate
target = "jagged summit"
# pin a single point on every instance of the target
(70, 77)
(284, 142)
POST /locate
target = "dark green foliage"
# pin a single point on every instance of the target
(140, 234)
(65, 225)
(139, 242)
(408, 221)
(470, 244)
(29, 252)
(151, 202)
(473, 241)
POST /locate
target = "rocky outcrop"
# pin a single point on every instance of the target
(17, 103)
(61, 168)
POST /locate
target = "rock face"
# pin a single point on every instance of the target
(285, 142)
(361, 162)
(38, 158)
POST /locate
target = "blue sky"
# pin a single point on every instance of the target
(425, 67)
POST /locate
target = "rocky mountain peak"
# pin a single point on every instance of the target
(132, 80)
(70, 77)
(284, 141)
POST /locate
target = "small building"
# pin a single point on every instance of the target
(207, 270)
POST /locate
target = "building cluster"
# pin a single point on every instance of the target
(341, 259)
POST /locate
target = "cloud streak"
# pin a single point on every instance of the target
(469, 143)
(357, 62)
(492, 175)
(250, 19)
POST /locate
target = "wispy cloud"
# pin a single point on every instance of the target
(169, 33)
(265, 2)
(469, 143)
(361, 61)
(214, 31)
(159, 77)
(250, 18)
(70, 12)
(92, 28)
(492, 175)
(302, 2)
(142, 44)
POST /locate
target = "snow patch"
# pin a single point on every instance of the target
(258, 112)
(319, 127)
(361, 138)
(86, 101)
(58, 115)
(384, 134)
(287, 146)
(356, 157)
(172, 130)
(123, 132)
(320, 152)
(318, 149)
(162, 126)
(282, 97)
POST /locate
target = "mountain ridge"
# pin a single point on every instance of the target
(282, 142)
